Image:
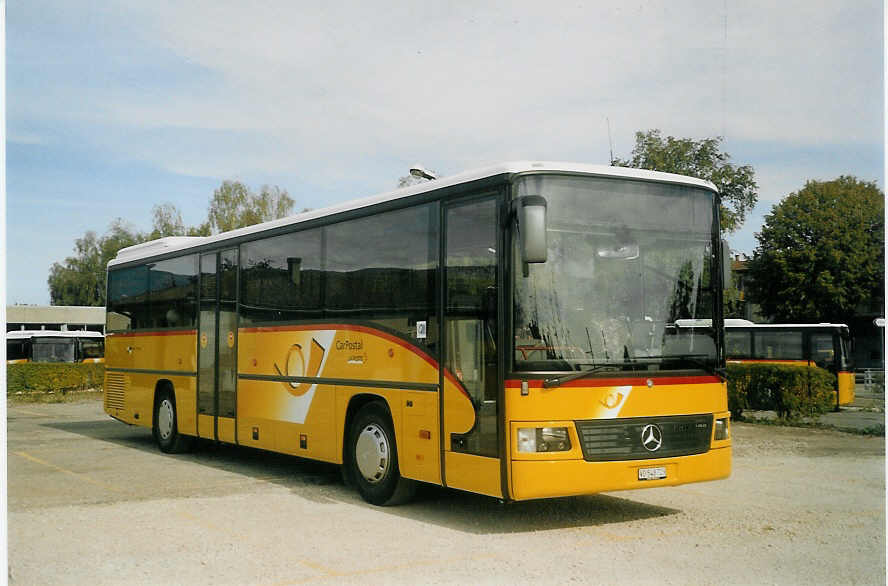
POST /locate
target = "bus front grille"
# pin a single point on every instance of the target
(641, 438)
(115, 390)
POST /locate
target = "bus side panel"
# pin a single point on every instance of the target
(415, 421)
(279, 413)
(171, 355)
(419, 445)
(473, 473)
(846, 388)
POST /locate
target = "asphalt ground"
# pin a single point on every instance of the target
(92, 501)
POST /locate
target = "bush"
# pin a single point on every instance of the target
(791, 391)
(53, 377)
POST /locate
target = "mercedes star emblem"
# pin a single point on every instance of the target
(651, 437)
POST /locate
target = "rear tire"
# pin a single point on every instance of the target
(373, 458)
(166, 426)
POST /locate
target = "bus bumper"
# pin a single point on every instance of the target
(559, 478)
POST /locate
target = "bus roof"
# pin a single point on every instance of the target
(176, 243)
(19, 334)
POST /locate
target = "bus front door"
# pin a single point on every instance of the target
(217, 346)
(471, 379)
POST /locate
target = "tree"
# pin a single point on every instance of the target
(821, 252)
(234, 206)
(167, 221)
(702, 159)
(81, 279)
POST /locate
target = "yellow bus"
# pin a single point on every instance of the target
(511, 331)
(825, 345)
(54, 346)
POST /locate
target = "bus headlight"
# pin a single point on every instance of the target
(722, 431)
(543, 439)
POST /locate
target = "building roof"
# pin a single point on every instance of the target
(55, 314)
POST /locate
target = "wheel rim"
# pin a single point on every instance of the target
(165, 419)
(372, 453)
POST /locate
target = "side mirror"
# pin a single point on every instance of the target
(531, 216)
(726, 264)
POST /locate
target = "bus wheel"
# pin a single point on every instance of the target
(373, 458)
(166, 429)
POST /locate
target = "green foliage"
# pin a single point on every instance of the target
(235, 206)
(821, 252)
(791, 391)
(53, 377)
(167, 221)
(80, 279)
(702, 159)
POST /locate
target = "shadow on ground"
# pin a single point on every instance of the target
(321, 483)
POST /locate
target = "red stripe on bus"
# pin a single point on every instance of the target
(622, 382)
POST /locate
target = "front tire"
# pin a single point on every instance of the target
(166, 426)
(373, 458)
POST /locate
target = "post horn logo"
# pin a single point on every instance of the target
(651, 437)
(298, 366)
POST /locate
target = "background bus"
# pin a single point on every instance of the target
(510, 331)
(54, 346)
(825, 345)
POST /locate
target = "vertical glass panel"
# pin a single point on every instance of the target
(738, 344)
(206, 379)
(281, 278)
(471, 319)
(822, 350)
(227, 359)
(777, 345)
(92, 348)
(53, 349)
(128, 299)
(173, 302)
(16, 350)
(228, 275)
(382, 269)
(208, 276)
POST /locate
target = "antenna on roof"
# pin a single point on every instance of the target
(610, 141)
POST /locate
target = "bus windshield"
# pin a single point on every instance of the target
(627, 283)
(53, 349)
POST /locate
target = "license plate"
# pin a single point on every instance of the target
(657, 473)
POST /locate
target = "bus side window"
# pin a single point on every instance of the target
(822, 351)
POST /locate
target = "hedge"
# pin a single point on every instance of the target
(791, 391)
(53, 377)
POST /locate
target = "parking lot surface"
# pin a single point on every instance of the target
(92, 501)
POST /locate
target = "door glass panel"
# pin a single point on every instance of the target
(470, 317)
(206, 340)
(206, 376)
(227, 353)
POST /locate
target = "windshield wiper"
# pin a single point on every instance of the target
(566, 378)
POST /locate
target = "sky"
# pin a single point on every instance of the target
(116, 106)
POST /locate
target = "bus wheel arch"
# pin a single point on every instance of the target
(370, 453)
(165, 420)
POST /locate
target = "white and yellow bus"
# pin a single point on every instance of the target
(54, 346)
(512, 331)
(826, 345)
